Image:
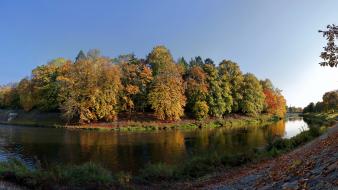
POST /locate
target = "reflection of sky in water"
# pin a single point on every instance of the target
(130, 151)
(293, 127)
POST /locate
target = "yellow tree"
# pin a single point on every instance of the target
(253, 99)
(136, 78)
(159, 58)
(89, 90)
(166, 95)
(25, 93)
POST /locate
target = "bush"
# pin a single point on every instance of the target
(200, 110)
(199, 166)
(88, 173)
(157, 172)
(15, 167)
(281, 145)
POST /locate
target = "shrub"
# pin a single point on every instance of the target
(199, 166)
(200, 110)
(15, 167)
(88, 173)
(157, 172)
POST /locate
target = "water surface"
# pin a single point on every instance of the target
(130, 151)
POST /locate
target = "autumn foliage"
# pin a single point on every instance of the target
(274, 100)
(95, 88)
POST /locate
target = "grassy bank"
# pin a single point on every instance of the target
(209, 163)
(35, 118)
(88, 176)
(321, 118)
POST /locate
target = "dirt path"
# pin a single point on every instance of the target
(312, 166)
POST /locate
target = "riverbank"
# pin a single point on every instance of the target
(321, 118)
(312, 166)
(143, 122)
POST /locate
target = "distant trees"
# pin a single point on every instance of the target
(329, 103)
(95, 88)
(330, 53)
(9, 97)
(309, 108)
(25, 93)
(293, 109)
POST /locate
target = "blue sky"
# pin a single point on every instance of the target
(272, 39)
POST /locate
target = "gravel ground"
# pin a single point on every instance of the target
(9, 186)
(313, 166)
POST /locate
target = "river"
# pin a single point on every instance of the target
(130, 151)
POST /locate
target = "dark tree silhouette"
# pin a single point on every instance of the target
(330, 53)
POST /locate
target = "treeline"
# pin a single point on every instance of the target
(293, 109)
(98, 88)
(329, 104)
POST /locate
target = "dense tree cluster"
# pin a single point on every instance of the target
(96, 88)
(329, 104)
(293, 109)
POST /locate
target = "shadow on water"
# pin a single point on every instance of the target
(130, 151)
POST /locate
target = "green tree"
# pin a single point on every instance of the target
(253, 96)
(309, 108)
(197, 61)
(330, 101)
(209, 61)
(215, 99)
(25, 94)
(80, 56)
(319, 107)
(9, 97)
(45, 85)
(201, 110)
(159, 58)
(183, 64)
(226, 86)
(235, 78)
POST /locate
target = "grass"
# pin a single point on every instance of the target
(35, 118)
(321, 118)
(86, 175)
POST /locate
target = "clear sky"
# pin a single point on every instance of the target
(272, 39)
